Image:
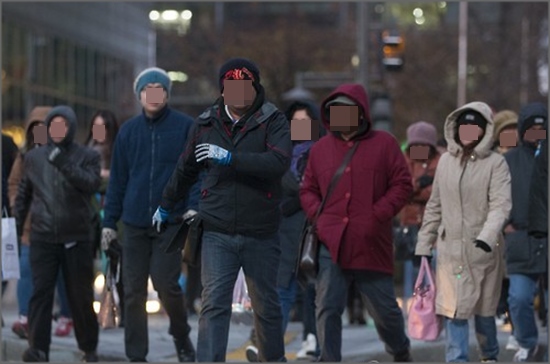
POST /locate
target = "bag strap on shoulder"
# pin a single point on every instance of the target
(335, 179)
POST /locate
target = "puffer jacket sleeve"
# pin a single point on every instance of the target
(500, 203)
(310, 192)
(85, 174)
(431, 220)
(14, 179)
(538, 197)
(184, 176)
(399, 182)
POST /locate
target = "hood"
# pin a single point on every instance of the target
(357, 93)
(483, 148)
(70, 116)
(37, 114)
(528, 111)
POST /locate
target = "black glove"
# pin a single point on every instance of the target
(417, 260)
(114, 250)
(424, 181)
(57, 156)
(483, 246)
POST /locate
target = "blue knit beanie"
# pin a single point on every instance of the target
(152, 75)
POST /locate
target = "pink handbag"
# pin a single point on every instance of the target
(423, 323)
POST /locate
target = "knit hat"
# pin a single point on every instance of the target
(422, 132)
(152, 75)
(239, 69)
(534, 120)
(502, 120)
(471, 117)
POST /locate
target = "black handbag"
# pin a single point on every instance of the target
(308, 264)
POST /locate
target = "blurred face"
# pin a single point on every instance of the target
(39, 133)
(419, 152)
(153, 98)
(302, 127)
(238, 95)
(469, 134)
(508, 137)
(58, 129)
(98, 129)
(534, 134)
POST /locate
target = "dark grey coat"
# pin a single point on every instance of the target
(524, 253)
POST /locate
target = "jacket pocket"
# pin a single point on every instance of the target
(517, 247)
(208, 183)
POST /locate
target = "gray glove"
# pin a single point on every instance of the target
(107, 236)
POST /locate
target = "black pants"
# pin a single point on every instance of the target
(77, 266)
(193, 287)
(143, 252)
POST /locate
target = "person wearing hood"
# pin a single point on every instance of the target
(526, 256)
(467, 209)
(59, 180)
(355, 227)
(422, 157)
(35, 136)
(145, 154)
(302, 115)
(242, 145)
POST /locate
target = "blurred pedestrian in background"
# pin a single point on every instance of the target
(146, 151)
(35, 136)
(422, 157)
(505, 138)
(101, 137)
(58, 182)
(355, 227)
(468, 206)
(526, 256)
(306, 113)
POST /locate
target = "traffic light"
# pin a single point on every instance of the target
(393, 51)
(381, 112)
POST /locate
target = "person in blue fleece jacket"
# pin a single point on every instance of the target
(146, 151)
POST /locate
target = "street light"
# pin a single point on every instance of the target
(172, 19)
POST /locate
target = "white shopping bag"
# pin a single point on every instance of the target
(241, 309)
(10, 250)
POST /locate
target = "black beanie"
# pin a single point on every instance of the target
(239, 69)
(471, 117)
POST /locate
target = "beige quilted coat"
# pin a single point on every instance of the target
(467, 203)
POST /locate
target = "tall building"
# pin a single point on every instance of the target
(84, 55)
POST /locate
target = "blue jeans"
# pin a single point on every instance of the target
(378, 291)
(25, 286)
(221, 258)
(287, 297)
(458, 341)
(521, 298)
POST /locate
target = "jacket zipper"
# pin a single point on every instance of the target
(151, 127)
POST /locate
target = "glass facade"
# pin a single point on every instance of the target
(39, 69)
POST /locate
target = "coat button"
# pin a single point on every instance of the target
(350, 144)
(348, 195)
(348, 169)
(345, 219)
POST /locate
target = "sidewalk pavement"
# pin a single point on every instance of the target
(359, 343)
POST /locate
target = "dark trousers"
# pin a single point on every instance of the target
(222, 257)
(77, 266)
(378, 292)
(143, 252)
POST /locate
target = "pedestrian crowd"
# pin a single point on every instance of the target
(245, 178)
